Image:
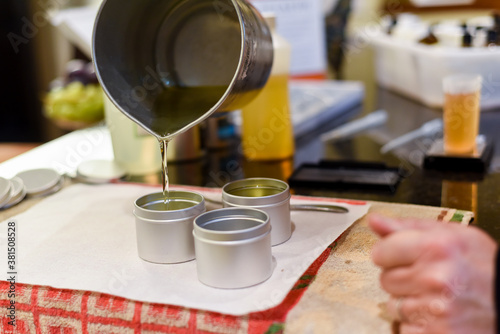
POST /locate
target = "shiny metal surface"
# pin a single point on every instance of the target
(319, 208)
(137, 52)
(166, 236)
(304, 207)
(276, 204)
(232, 224)
(144, 203)
(233, 247)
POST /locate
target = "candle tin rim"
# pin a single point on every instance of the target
(157, 215)
(282, 196)
(199, 231)
(231, 243)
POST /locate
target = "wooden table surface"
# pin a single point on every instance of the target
(10, 150)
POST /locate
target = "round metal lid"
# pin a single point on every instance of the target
(54, 189)
(5, 187)
(18, 192)
(41, 181)
(99, 171)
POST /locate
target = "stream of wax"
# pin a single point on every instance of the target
(164, 171)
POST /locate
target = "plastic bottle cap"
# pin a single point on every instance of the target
(17, 192)
(99, 171)
(41, 181)
(5, 187)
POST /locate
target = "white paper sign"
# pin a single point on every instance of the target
(301, 22)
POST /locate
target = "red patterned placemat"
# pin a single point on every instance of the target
(41, 309)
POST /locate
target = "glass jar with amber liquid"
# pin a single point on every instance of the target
(461, 113)
(267, 132)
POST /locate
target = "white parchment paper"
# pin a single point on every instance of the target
(83, 238)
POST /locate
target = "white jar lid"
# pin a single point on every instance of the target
(5, 187)
(99, 171)
(17, 192)
(43, 181)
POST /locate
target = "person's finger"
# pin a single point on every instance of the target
(419, 279)
(401, 249)
(401, 281)
(425, 311)
(394, 307)
(410, 310)
(405, 328)
(384, 226)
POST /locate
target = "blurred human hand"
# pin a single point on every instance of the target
(440, 276)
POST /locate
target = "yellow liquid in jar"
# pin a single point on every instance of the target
(171, 205)
(461, 123)
(267, 132)
(255, 191)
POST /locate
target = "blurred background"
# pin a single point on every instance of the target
(33, 53)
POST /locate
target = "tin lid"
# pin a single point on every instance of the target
(99, 171)
(43, 181)
(256, 191)
(232, 224)
(182, 204)
(17, 192)
(5, 188)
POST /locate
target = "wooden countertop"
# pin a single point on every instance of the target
(10, 150)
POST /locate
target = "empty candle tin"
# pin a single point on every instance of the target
(233, 247)
(164, 233)
(269, 195)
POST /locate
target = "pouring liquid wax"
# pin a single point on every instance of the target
(174, 109)
(192, 85)
(170, 64)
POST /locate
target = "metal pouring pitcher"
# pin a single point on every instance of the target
(169, 64)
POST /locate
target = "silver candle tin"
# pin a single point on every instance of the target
(233, 247)
(269, 195)
(165, 236)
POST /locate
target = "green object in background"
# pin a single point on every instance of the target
(75, 102)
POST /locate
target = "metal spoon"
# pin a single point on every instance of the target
(305, 207)
(319, 207)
